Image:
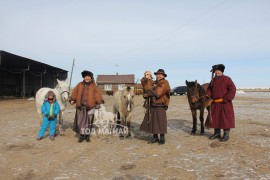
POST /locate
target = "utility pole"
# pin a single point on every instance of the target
(71, 75)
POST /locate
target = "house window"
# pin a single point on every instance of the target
(108, 87)
(121, 86)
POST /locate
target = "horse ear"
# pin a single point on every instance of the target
(186, 82)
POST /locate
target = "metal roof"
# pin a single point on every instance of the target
(14, 63)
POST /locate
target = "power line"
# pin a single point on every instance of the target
(181, 28)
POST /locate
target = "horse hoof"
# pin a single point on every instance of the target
(193, 133)
(128, 136)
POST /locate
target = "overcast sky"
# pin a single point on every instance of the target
(183, 37)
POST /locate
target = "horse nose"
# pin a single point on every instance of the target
(65, 98)
(193, 99)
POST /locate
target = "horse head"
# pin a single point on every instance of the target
(129, 98)
(193, 91)
(62, 87)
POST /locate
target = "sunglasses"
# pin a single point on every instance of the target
(50, 99)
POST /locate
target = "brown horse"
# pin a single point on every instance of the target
(196, 95)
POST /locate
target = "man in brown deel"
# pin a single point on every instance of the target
(155, 122)
(87, 97)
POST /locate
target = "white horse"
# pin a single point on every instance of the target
(61, 93)
(123, 105)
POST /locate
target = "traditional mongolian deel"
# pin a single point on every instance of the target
(157, 122)
(86, 97)
(221, 112)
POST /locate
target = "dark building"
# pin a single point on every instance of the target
(22, 77)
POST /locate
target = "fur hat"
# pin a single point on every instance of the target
(161, 71)
(220, 67)
(50, 93)
(87, 73)
(148, 73)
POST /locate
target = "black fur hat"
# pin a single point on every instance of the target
(161, 71)
(220, 67)
(87, 73)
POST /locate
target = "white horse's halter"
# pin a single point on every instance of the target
(64, 91)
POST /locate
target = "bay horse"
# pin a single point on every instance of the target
(196, 95)
(62, 96)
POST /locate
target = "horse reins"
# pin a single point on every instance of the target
(196, 94)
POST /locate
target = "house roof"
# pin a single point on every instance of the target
(116, 79)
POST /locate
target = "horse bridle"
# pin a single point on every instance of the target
(196, 95)
(65, 92)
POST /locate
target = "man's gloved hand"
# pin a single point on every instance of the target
(98, 106)
(54, 115)
(51, 118)
(218, 100)
(71, 102)
(148, 94)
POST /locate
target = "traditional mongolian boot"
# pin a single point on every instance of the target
(81, 138)
(162, 139)
(87, 138)
(226, 135)
(216, 134)
(52, 137)
(154, 139)
(39, 138)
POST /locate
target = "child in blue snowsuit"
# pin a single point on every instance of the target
(50, 109)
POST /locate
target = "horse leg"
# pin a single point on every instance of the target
(60, 124)
(128, 126)
(40, 116)
(121, 126)
(118, 120)
(194, 117)
(202, 119)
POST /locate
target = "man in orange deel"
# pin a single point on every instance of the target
(222, 91)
